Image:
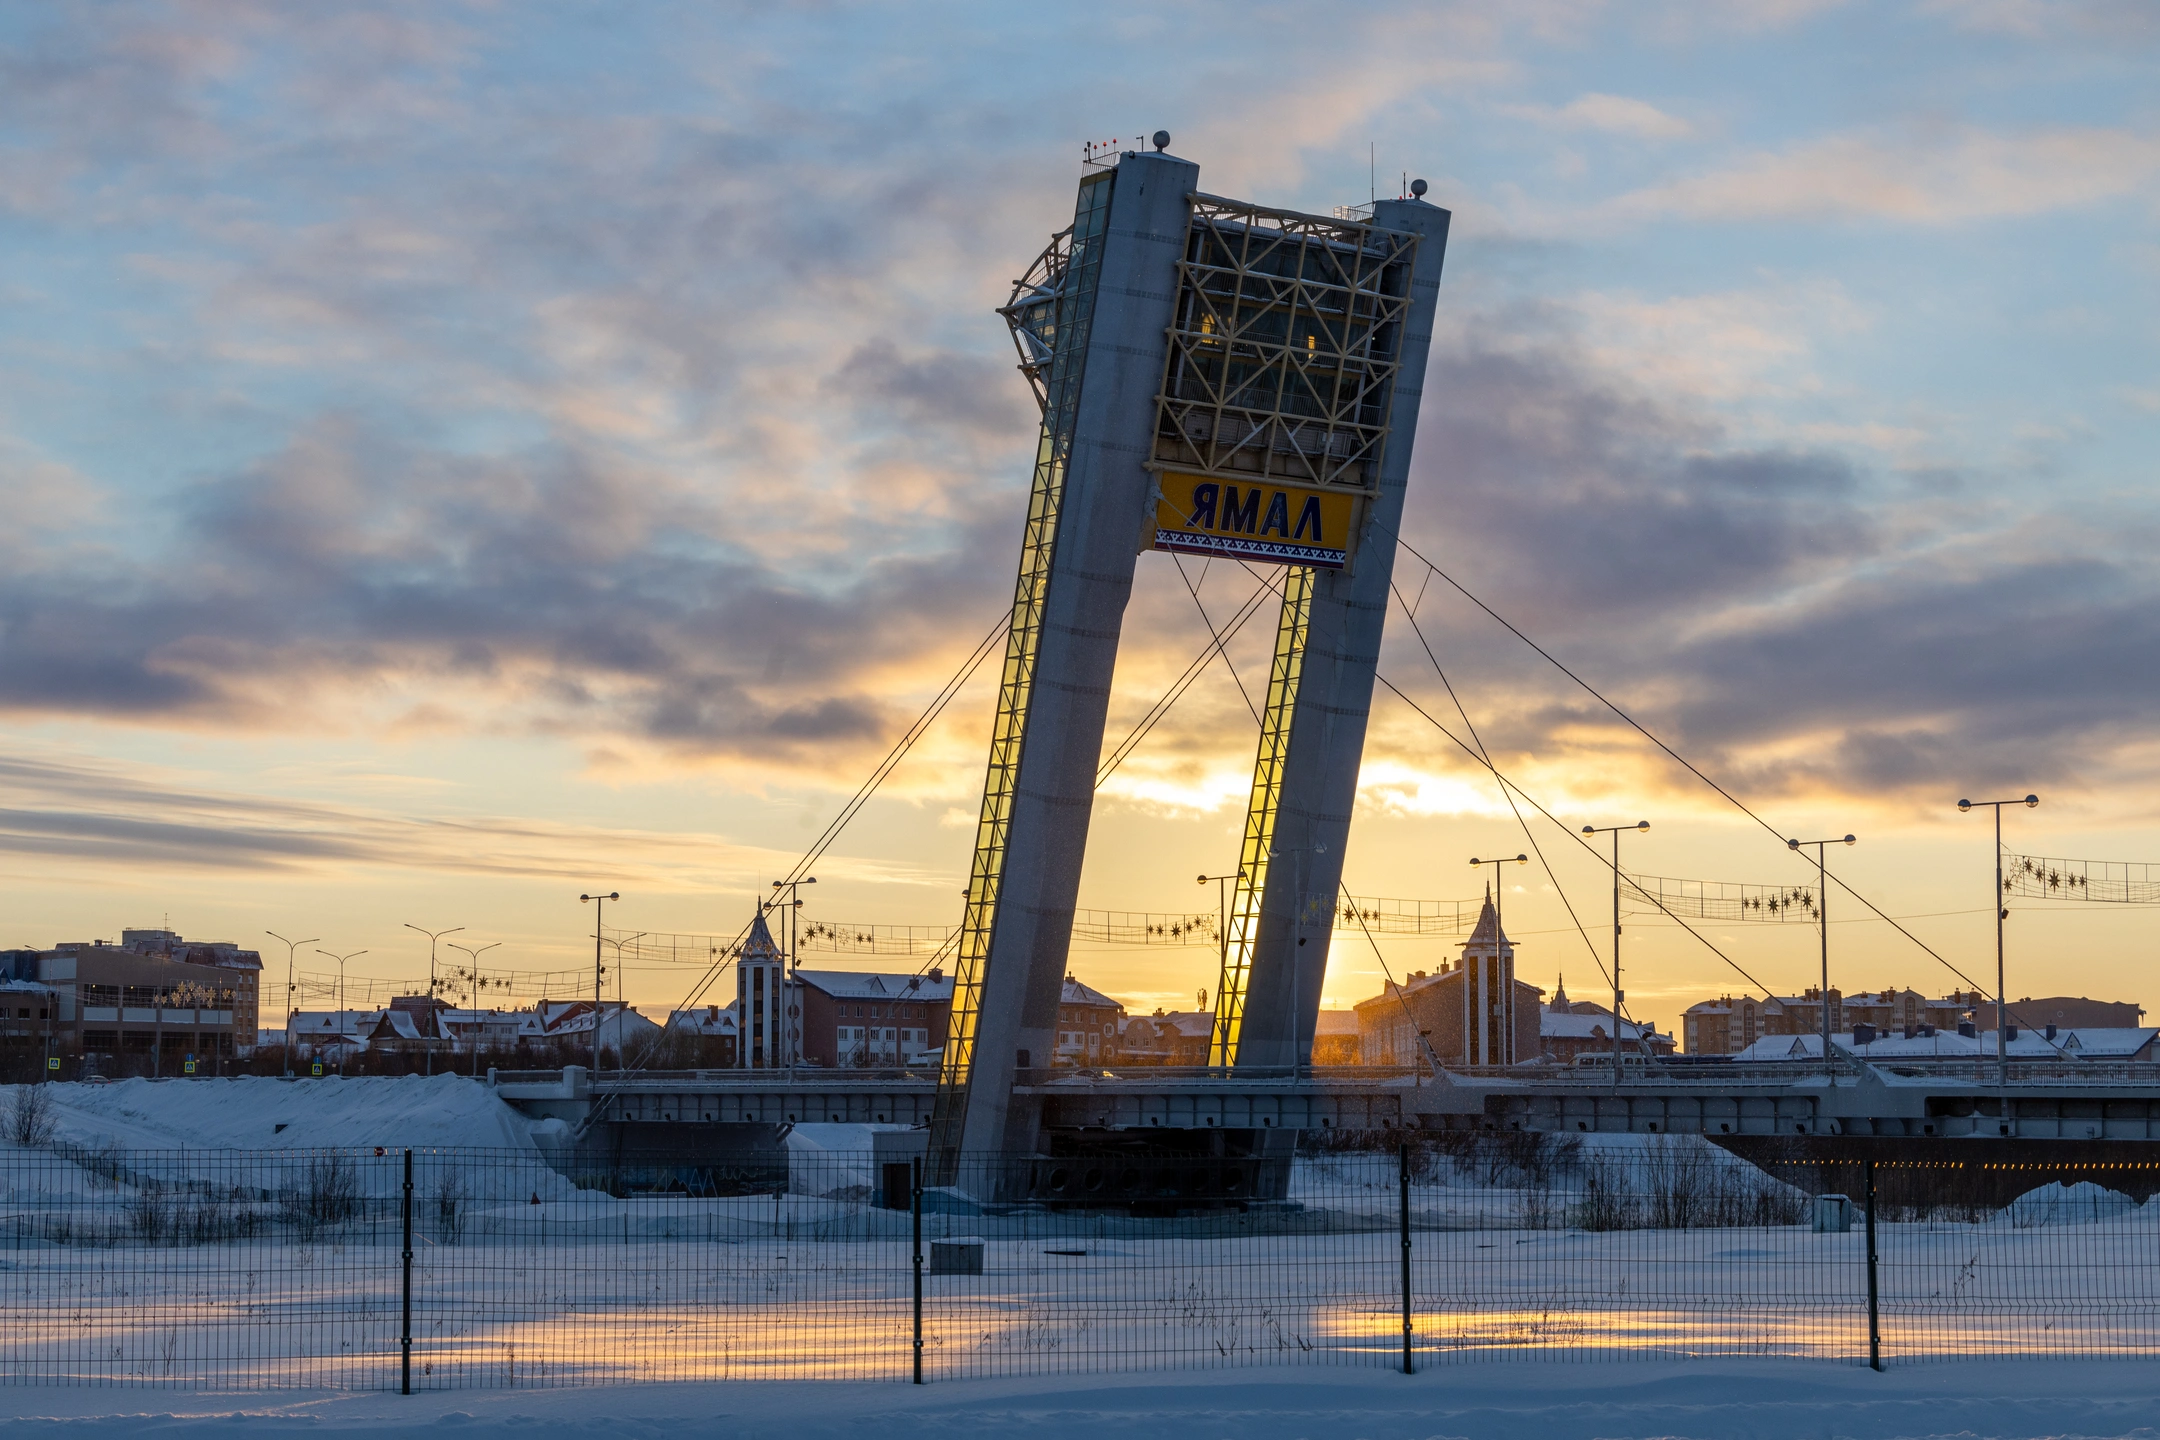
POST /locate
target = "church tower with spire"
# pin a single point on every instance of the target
(760, 1001)
(1488, 998)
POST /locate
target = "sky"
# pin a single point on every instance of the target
(460, 456)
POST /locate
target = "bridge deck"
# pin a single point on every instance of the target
(2101, 1101)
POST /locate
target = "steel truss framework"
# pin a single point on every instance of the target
(1282, 363)
(1071, 267)
(1286, 346)
(1257, 852)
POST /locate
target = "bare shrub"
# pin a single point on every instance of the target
(450, 1206)
(328, 1194)
(210, 1216)
(150, 1215)
(1606, 1200)
(1678, 1182)
(1537, 1207)
(30, 1118)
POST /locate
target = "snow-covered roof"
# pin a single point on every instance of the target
(1193, 1024)
(310, 1024)
(1561, 1025)
(1943, 1044)
(524, 1020)
(868, 985)
(395, 1025)
(576, 1018)
(2099, 1042)
(704, 1020)
(1783, 1047)
(1077, 993)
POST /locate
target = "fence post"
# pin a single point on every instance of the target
(405, 1330)
(918, 1269)
(1404, 1156)
(1874, 1311)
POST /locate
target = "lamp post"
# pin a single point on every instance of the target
(1222, 928)
(619, 1006)
(790, 1022)
(432, 937)
(290, 946)
(2002, 913)
(472, 974)
(341, 959)
(599, 904)
(1503, 976)
(1618, 994)
(1822, 916)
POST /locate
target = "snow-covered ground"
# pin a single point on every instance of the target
(264, 1113)
(1658, 1400)
(217, 1258)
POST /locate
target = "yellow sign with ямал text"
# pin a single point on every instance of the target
(1254, 520)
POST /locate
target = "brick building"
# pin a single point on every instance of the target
(1168, 1037)
(2067, 1012)
(1087, 1033)
(1335, 1039)
(856, 1020)
(245, 965)
(140, 1011)
(1473, 1013)
(1730, 1024)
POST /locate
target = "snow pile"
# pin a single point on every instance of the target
(262, 1113)
(2059, 1204)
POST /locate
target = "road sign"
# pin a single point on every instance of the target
(317, 1069)
(188, 1066)
(52, 1062)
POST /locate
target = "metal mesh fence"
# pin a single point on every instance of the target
(238, 1270)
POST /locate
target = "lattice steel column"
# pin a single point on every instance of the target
(1326, 743)
(1072, 306)
(1257, 849)
(1090, 319)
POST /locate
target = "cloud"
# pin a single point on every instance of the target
(1612, 114)
(2108, 20)
(61, 816)
(1737, 346)
(1957, 174)
(674, 421)
(556, 589)
(1778, 614)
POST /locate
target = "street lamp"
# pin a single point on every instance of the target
(618, 944)
(472, 974)
(341, 959)
(1503, 973)
(432, 937)
(1222, 930)
(2002, 913)
(290, 946)
(599, 904)
(790, 993)
(1618, 994)
(1822, 916)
